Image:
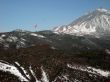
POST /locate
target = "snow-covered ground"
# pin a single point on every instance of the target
(26, 76)
(12, 69)
(89, 69)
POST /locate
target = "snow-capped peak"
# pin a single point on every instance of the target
(94, 23)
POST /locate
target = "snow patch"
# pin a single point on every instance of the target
(23, 39)
(12, 39)
(6, 45)
(107, 51)
(22, 43)
(1, 39)
(53, 48)
(37, 35)
(3, 35)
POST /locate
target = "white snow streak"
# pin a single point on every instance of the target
(99, 71)
(33, 74)
(13, 70)
(107, 51)
(25, 72)
(90, 70)
(44, 76)
(33, 34)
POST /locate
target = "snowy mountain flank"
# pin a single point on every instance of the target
(94, 23)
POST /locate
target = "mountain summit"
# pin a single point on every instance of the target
(96, 22)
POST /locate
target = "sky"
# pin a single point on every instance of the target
(47, 14)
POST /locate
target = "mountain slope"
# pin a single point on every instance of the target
(94, 23)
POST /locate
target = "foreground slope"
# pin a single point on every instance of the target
(41, 63)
